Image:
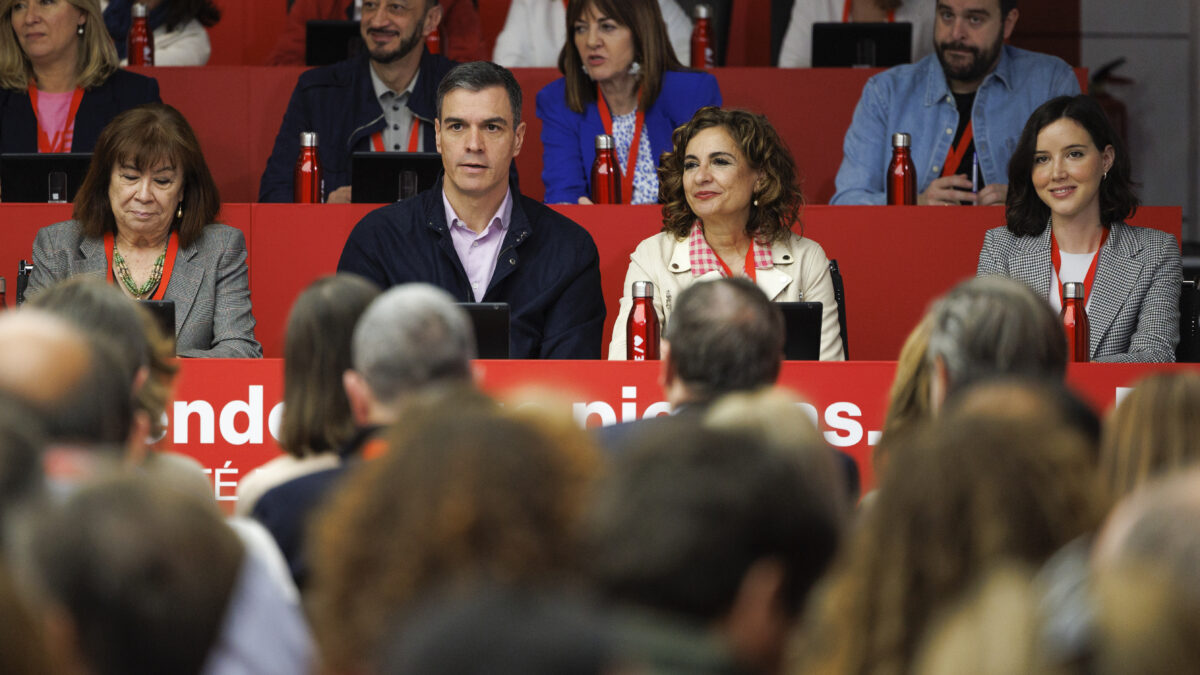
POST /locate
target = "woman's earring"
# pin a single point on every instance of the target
(179, 211)
(756, 201)
(635, 68)
(1104, 176)
(79, 29)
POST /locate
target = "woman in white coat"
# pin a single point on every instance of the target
(730, 200)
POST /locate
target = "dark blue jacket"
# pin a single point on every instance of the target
(339, 103)
(569, 138)
(121, 91)
(547, 271)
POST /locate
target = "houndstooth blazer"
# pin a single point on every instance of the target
(1133, 308)
(209, 285)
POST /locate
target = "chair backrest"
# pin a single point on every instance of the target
(1188, 350)
(23, 271)
(839, 294)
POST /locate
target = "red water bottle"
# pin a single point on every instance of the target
(434, 42)
(641, 331)
(307, 176)
(1075, 322)
(901, 174)
(702, 53)
(606, 174)
(140, 44)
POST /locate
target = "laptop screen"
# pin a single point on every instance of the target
(34, 177)
(871, 45)
(802, 330)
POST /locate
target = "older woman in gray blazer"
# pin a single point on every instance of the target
(1069, 193)
(143, 220)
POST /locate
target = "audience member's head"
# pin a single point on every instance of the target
(968, 37)
(22, 642)
(463, 490)
(908, 399)
(488, 628)
(724, 336)
(1156, 524)
(21, 446)
(716, 529)
(991, 326)
(1153, 431)
(101, 309)
(132, 577)
(316, 354)
(957, 497)
(78, 386)
(412, 337)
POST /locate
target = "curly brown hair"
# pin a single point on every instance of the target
(780, 199)
(464, 489)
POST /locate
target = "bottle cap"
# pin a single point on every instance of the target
(900, 140)
(1073, 289)
(702, 12)
(308, 139)
(139, 10)
(604, 142)
(643, 289)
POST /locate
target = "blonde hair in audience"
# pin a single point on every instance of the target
(464, 489)
(1155, 430)
(908, 399)
(955, 498)
(97, 56)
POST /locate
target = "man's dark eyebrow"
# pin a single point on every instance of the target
(496, 120)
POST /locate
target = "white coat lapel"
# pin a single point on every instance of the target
(775, 280)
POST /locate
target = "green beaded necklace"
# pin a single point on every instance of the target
(126, 278)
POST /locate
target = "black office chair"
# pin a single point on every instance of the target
(1188, 350)
(23, 271)
(839, 294)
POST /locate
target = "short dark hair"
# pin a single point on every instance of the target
(1026, 213)
(777, 205)
(477, 76)
(991, 326)
(144, 571)
(316, 352)
(651, 48)
(725, 335)
(1007, 6)
(686, 511)
(144, 136)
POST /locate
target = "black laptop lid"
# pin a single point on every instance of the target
(802, 330)
(490, 320)
(874, 45)
(163, 312)
(26, 176)
(327, 42)
(377, 177)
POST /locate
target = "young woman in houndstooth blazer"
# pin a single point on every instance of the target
(1069, 194)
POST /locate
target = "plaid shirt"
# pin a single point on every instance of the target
(704, 260)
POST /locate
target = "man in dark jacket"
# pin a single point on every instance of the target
(476, 236)
(381, 100)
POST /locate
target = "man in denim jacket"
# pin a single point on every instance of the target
(971, 70)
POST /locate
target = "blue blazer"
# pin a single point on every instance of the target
(120, 92)
(569, 138)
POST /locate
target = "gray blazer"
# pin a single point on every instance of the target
(209, 284)
(1133, 310)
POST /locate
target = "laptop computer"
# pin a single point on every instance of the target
(386, 177)
(37, 177)
(870, 45)
(329, 41)
(490, 320)
(802, 330)
(163, 312)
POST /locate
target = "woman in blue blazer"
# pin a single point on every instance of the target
(620, 77)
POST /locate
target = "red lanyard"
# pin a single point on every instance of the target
(748, 266)
(1056, 260)
(168, 262)
(414, 138)
(631, 161)
(957, 152)
(59, 144)
(846, 13)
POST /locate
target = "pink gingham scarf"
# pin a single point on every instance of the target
(705, 260)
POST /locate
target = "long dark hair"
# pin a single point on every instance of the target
(1027, 214)
(651, 44)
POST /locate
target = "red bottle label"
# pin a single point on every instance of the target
(641, 332)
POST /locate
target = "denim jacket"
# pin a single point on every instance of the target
(915, 99)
